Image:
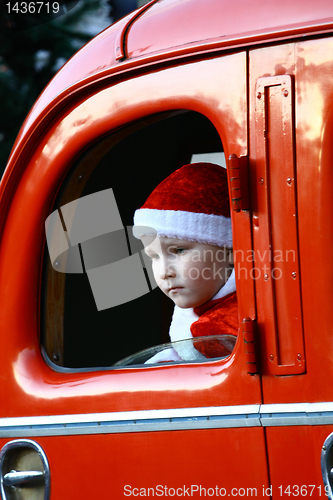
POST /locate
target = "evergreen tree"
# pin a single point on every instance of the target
(120, 8)
(32, 49)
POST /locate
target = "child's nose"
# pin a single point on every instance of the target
(167, 270)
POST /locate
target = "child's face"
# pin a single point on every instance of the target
(188, 272)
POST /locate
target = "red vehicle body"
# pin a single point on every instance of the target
(171, 80)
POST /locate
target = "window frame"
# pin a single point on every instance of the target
(215, 87)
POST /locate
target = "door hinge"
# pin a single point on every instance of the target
(250, 347)
(238, 174)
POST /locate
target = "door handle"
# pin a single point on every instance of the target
(15, 478)
(327, 465)
(24, 468)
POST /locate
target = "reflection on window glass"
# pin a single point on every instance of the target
(193, 349)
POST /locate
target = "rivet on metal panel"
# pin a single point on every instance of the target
(299, 356)
(55, 358)
(285, 93)
(265, 277)
(289, 181)
(271, 357)
(261, 180)
(294, 274)
(80, 178)
(259, 95)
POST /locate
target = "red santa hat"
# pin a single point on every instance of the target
(190, 204)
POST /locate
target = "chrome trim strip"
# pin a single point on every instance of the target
(266, 415)
(296, 414)
(132, 421)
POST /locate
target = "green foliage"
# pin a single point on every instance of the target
(31, 52)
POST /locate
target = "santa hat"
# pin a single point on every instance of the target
(190, 204)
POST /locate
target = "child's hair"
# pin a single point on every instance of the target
(190, 204)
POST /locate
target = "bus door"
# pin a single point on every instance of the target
(107, 423)
(291, 88)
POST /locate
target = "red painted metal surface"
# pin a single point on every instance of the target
(171, 24)
(300, 466)
(122, 34)
(65, 122)
(162, 461)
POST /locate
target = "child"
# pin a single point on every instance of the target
(190, 245)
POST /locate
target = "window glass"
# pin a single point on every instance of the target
(201, 348)
(81, 328)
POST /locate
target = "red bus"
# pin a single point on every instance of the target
(249, 82)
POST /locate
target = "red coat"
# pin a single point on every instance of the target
(217, 317)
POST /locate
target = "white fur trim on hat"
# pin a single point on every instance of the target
(204, 228)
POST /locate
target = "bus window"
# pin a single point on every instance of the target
(81, 331)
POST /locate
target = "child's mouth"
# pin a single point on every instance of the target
(175, 289)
